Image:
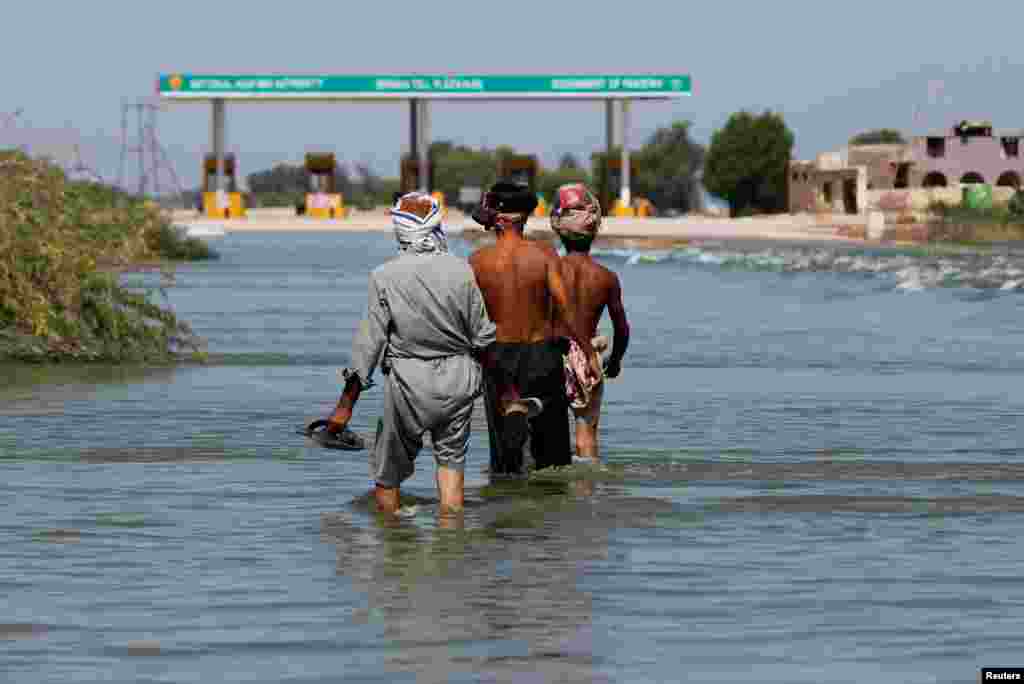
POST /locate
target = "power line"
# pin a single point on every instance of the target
(155, 171)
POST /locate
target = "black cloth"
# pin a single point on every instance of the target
(504, 197)
(536, 370)
(513, 198)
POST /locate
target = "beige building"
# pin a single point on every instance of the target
(908, 177)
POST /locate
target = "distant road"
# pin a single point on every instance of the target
(786, 228)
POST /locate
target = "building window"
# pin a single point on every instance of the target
(1010, 179)
(902, 179)
(1011, 147)
(826, 191)
(934, 180)
(972, 177)
(936, 147)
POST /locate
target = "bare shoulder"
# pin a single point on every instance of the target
(592, 269)
(480, 256)
(545, 251)
(609, 275)
(601, 276)
(547, 247)
(481, 253)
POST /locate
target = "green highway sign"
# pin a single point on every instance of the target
(186, 86)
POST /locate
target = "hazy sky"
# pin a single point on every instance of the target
(831, 69)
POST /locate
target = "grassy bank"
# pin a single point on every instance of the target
(63, 245)
(966, 225)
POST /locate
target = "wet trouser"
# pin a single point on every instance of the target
(536, 370)
(433, 396)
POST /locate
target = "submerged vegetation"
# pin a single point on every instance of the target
(63, 246)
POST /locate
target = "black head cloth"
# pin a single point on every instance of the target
(513, 198)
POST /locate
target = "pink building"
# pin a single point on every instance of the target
(970, 152)
(855, 179)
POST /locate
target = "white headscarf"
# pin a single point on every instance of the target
(419, 235)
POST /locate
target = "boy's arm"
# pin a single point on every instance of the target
(618, 315)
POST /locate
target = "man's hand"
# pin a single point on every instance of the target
(338, 421)
(612, 368)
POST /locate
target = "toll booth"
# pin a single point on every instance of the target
(221, 204)
(643, 207)
(410, 179)
(610, 185)
(523, 169)
(322, 197)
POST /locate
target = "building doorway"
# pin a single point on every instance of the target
(850, 195)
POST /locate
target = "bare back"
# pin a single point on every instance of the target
(514, 276)
(591, 288)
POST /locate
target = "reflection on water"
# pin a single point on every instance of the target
(812, 475)
(496, 588)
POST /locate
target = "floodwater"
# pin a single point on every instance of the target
(814, 473)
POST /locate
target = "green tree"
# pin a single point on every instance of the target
(549, 181)
(665, 170)
(282, 178)
(568, 161)
(456, 166)
(880, 136)
(746, 163)
(667, 167)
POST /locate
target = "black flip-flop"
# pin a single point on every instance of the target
(517, 416)
(346, 440)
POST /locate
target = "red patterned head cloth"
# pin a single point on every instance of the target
(576, 212)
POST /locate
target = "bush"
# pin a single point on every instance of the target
(1016, 205)
(62, 246)
(961, 224)
(747, 160)
(959, 213)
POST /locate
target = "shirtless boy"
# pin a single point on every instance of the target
(576, 218)
(522, 286)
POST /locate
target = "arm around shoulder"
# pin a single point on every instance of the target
(556, 285)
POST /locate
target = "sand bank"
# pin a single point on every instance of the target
(648, 231)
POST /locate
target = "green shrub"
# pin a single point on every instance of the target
(62, 246)
(1016, 205)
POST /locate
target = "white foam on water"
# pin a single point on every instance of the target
(911, 271)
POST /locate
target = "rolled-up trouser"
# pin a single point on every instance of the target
(536, 370)
(433, 396)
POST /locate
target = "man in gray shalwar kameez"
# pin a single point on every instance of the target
(427, 327)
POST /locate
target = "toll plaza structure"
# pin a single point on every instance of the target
(618, 92)
(322, 197)
(610, 180)
(221, 198)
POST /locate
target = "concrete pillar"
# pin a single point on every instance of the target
(414, 119)
(624, 195)
(424, 146)
(217, 143)
(609, 145)
(609, 126)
